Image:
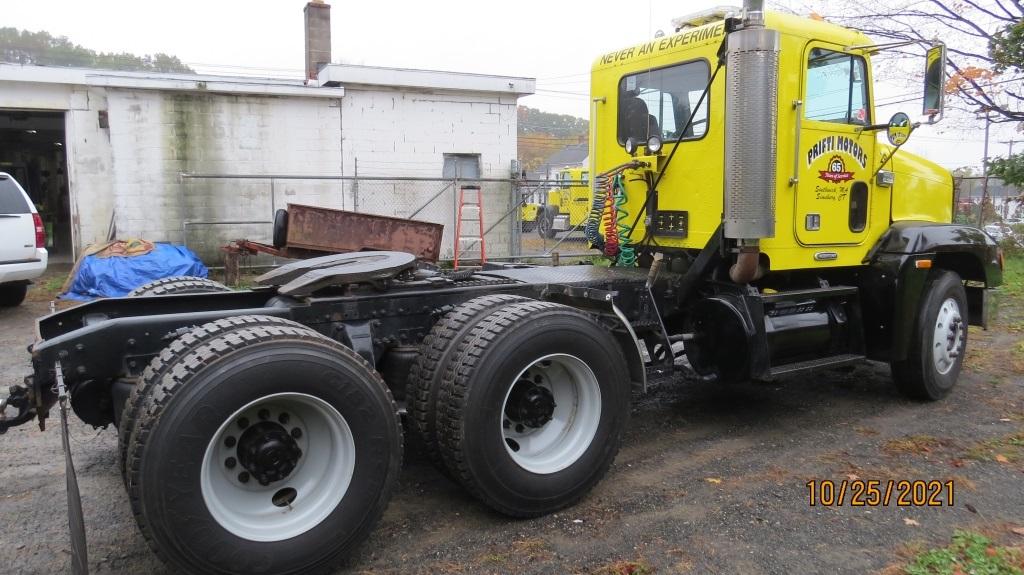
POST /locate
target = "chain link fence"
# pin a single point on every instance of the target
(522, 219)
(979, 202)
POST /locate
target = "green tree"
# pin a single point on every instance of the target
(1010, 170)
(43, 49)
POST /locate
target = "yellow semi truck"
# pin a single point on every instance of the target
(567, 205)
(744, 151)
(754, 220)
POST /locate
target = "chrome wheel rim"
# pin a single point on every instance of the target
(278, 467)
(948, 336)
(551, 413)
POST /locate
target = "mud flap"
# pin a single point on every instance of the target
(76, 520)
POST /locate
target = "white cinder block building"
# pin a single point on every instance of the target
(104, 152)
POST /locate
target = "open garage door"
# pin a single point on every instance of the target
(32, 149)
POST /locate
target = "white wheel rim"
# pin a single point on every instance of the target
(948, 337)
(562, 440)
(318, 481)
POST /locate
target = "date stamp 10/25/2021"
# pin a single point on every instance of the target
(880, 493)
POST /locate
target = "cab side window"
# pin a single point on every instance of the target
(837, 89)
(658, 102)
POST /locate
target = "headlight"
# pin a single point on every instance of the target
(653, 145)
(630, 146)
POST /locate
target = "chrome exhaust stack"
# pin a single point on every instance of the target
(751, 119)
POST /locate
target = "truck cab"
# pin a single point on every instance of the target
(836, 188)
(745, 149)
(568, 203)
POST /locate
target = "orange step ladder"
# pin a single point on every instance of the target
(471, 209)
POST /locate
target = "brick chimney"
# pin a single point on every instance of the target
(318, 37)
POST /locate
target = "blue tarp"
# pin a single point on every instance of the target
(115, 276)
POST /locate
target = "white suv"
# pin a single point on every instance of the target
(22, 242)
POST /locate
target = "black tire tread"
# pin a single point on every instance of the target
(451, 402)
(909, 374)
(545, 223)
(159, 365)
(436, 353)
(179, 371)
(178, 284)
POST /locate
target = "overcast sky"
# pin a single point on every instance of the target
(554, 41)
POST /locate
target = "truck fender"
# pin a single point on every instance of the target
(966, 250)
(631, 349)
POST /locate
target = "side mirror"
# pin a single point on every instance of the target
(899, 128)
(934, 76)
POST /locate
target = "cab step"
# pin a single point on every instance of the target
(816, 364)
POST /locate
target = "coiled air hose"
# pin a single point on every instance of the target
(592, 230)
(603, 208)
(627, 255)
(610, 218)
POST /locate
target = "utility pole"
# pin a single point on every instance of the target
(1006, 203)
(984, 174)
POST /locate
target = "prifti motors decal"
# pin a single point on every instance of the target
(837, 169)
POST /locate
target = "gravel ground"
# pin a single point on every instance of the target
(711, 479)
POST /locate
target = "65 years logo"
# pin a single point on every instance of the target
(836, 171)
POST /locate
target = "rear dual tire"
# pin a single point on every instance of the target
(438, 351)
(232, 405)
(533, 411)
(159, 367)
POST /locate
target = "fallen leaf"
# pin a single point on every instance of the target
(1001, 458)
(970, 508)
(990, 551)
(909, 521)
(714, 480)
(852, 476)
(1018, 530)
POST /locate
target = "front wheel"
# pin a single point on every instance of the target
(267, 449)
(535, 411)
(939, 341)
(546, 222)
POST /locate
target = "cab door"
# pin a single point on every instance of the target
(836, 156)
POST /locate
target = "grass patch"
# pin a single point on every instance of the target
(1013, 277)
(969, 553)
(1017, 357)
(1010, 447)
(625, 568)
(493, 558)
(913, 444)
(53, 285)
